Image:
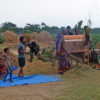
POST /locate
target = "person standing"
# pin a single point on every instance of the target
(21, 55)
(7, 64)
(62, 55)
(69, 30)
(76, 32)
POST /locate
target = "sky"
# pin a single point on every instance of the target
(52, 12)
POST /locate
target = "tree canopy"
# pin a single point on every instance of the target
(29, 28)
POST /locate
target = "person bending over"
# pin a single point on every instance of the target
(34, 50)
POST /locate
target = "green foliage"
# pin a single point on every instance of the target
(28, 31)
(79, 26)
(10, 26)
(33, 28)
(48, 53)
(95, 31)
(29, 28)
(95, 39)
(1, 39)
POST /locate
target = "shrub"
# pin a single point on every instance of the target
(1, 39)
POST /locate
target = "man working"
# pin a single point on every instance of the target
(76, 32)
(34, 48)
(69, 31)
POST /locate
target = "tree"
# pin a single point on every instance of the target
(8, 26)
(33, 28)
(79, 26)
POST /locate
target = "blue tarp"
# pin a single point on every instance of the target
(34, 79)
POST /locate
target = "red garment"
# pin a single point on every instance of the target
(2, 68)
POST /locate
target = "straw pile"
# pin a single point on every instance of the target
(98, 46)
(27, 37)
(10, 37)
(39, 67)
(34, 36)
(44, 36)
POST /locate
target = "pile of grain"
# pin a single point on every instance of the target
(10, 37)
(44, 36)
(79, 70)
(98, 46)
(39, 67)
(27, 37)
(34, 36)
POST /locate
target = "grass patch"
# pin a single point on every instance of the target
(83, 84)
(2, 46)
(95, 38)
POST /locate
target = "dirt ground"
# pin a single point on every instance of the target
(74, 87)
(45, 91)
(81, 83)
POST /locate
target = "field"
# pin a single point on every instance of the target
(80, 83)
(95, 38)
(83, 86)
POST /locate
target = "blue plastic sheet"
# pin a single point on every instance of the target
(34, 79)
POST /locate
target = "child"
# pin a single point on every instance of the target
(7, 64)
(2, 66)
(21, 55)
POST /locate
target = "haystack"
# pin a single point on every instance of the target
(27, 37)
(98, 46)
(10, 37)
(44, 36)
(34, 36)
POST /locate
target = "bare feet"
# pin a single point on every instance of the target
(19, 75)
(4, 80)
(0, 78)
(11, 80)
(22, 76)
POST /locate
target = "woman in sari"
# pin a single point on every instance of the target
(63, 61)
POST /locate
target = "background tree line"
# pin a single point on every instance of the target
(29, 28)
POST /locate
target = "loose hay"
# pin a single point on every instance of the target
(10, 37)
(39, 67)
(80, 70)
